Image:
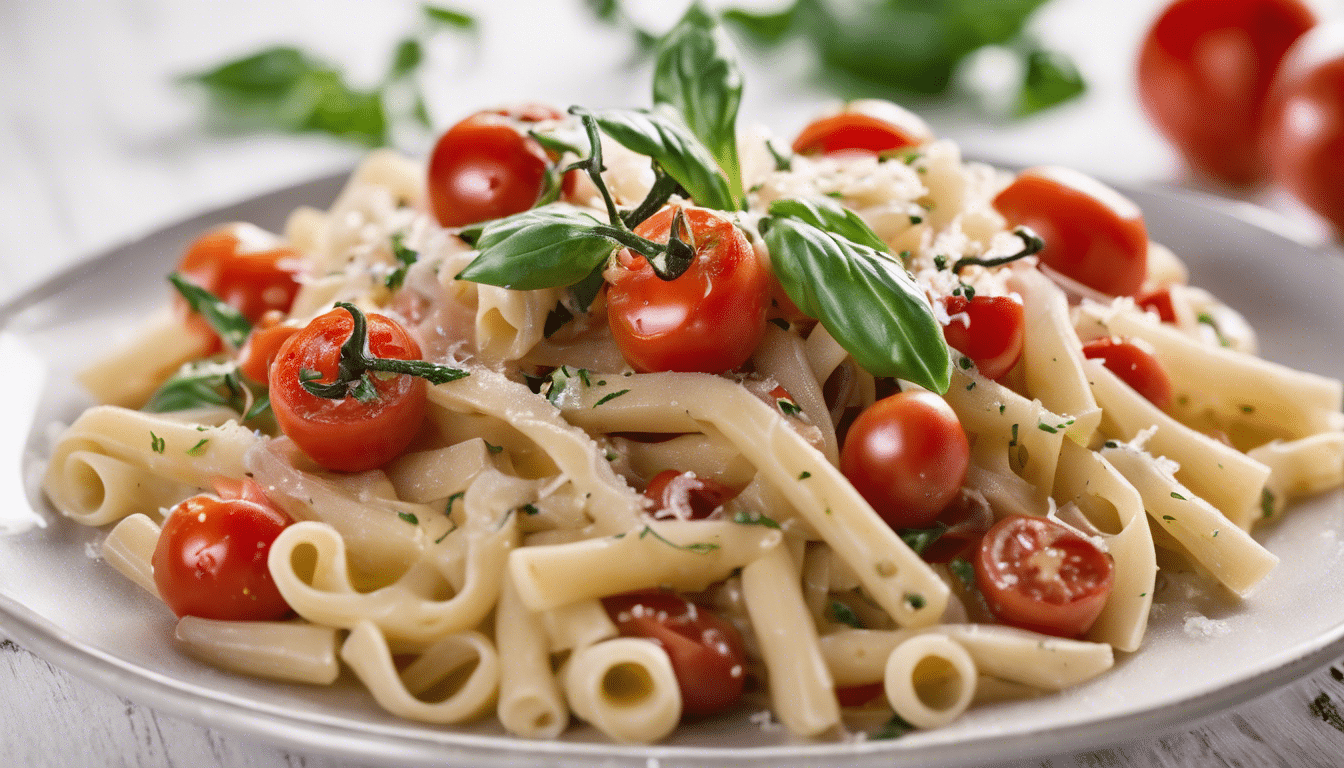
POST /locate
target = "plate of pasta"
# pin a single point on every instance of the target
(630, 434)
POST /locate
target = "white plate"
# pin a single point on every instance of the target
(80, 614)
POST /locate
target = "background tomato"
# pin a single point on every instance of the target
(1092, 233)
(246, 267)
(1204, 72)
(671, 489)
(486, 167)
(346, 434)
(993, 334)
(709, 319)
(210, 560)
(1039, 575)
(1136, 366)
(867, 125)
(1304, 133)
(907, 455)
(706, 651)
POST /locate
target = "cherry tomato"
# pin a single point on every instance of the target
(484, 168)
(262, 345)
(994, 336)
(709, 319)
(858, 695)
(869, 125)
(1204, 72)
(1305, 127)
(700, 495)
(1135, 365)
(346, 434)
(1039, 575)
(1159, 301)
(210, 560)
(1092, 233)
(245, 267)
(707, 652)
(907, 455)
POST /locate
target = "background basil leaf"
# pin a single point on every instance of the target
(866, 300)
(828, 214)
(662, 136)
(1051, 78)
(541, 248)
(697, 73)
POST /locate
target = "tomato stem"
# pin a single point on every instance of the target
(352, 378)
(1031, 245)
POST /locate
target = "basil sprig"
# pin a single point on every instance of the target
(542, 248)
(862, 296)
(697, 73)
(205, 383)
(661, 135)
(226, 321)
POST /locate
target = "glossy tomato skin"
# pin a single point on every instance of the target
(1159, 301)
(1092, 234)
(709, 319)
(907, 456)
(245, 267)
(347, 435)
(992, 335)
(701, 495)
(1305, 130)
(1038, 575)
(1204, 72)
(1137, 367)
(868, 126)
(707, 652)
(485, 168)
(262, 345)
(210, 560)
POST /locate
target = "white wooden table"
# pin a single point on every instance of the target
(97, 145)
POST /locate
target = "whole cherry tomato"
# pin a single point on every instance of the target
(1039, 575)
(1204, 72)
(706, 652)
(709, 319)
(1092, 233)
(698, 494)
(245, 267)
(262, 345)
(1136, 366)
(868, 125)
(1304, 132)
(347, 434)
(993, 337)
(210, 560)
(487, 167)
(907, 455)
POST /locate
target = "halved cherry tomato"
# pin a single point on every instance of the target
(1159, 301)
(485, 167)
(671, 489)
(1138, 368)
(1039, 575)
(1305, 128)
(707, 652)
(858, 695)
(1092, 233)
(244, 266)
(907, 455)
(1204, 73)
(994, 336)
(869, 125)
(346, 434)
(210, 560)
(709, 319)
(262, 345)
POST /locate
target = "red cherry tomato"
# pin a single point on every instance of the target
(709, 319)
(907, 455)
(858, 695)
(1305, 128)
(1092, 234)
(347, 435)
(1138, 368)
(670, 489)
(484, 168)
(1159, 301)
(210, 560)
(994, 336)
(1204, 72)
(262, 345)
(245, 267)
(1039, 575)
(869, 126)
(707, 652)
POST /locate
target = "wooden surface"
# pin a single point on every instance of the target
(97, 145)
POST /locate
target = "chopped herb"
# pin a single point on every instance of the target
(583, 376)
(1248, 409)
(895, 728)
(1215, 533)
(919, 539)
(781, 322)
(1168, 518)
(916, 601)
(451, 500)
(405, 258)
(965, 363)
(1047, 428)
(610, 396)
(1176, 495)
(530, 509)
(744, 517)
(963, 570)
(804, 475)
(156, 443)
(492, 447)
(199, 448)
(1013, 442)
(700, 547)
(1143, 594)
(408, 517)
(970, 386)
(1207, 319)
(916, 219)
(828, 510)
(939, 261)
(612, 456)
(789, 407)
(1266, 502)
(1002, 408)
(845, 615)
(1110, 444)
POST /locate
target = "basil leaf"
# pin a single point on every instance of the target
(546, 247)
(1051, 78)
(405, 258)
(449, 16)
(407, 57)
(764, 28)
(697, 72)
(829, 215)
(201, 384)
(920, 539)
(265, 72)
(226, 321)
(661, 135)
(865, 299)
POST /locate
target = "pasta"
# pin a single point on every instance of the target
(574, 500)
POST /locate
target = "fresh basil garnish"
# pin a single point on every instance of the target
(206, 383)
(226, 321)
(825, 213)
(920, 539)
(546, 247)
(405, 258)
(660, 134)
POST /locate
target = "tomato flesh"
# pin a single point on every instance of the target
(245, 267)
(699, 496)
(992, 335)
(868, 126)
(345, 434)
(907, 456)
(1159, 301)
(709, 319)
(1305, 134)
(707, 653)
(210, 560)
(1137, 367)
(1039, 575)
(485, 168)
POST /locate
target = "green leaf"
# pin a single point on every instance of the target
(1051, 78)
(407, 58)
(226, 321)
(268, 72)
(545, 247)
(920, 539)
(661, 135)
(405, 258)
(764, 28)
(865, 299)
(201, 384)
(449, 16)
(829, 215)
(697, 73)
(845, 615)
